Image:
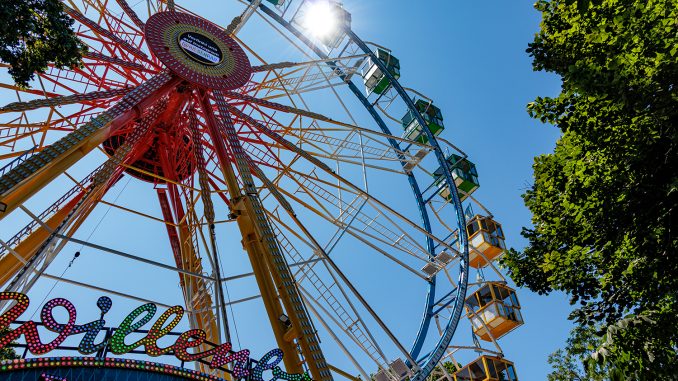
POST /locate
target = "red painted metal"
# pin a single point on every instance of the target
(169, 134)
(232, 72)
(169, 224)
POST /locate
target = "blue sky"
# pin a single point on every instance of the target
(469, 57)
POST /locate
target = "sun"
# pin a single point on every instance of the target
(321, 19)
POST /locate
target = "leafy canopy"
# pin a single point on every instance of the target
(7, 353)
(604, 202)
(35, 33)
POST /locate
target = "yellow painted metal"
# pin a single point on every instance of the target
(487, 368)
(42, 177)
(253, 243)
(256, 251)
(10, 264)
(343, 373)
(196, 296)
(493, 310)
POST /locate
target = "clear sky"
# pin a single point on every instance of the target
(469, 57)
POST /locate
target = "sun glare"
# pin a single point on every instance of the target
(320, 19)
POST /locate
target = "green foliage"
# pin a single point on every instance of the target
(35, 33)
(437, 372)
(7, 353)
(604, 202)
(575, 361)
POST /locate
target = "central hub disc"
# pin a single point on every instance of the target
(197, 51)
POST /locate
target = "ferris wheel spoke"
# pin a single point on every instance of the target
(28, 91)
(209, 215)
(328, 171)
(100, 31)
(38, 268)
(65, 152)
(46, 247)
(359, 219)
(106, 291)
(107, 16)
(77, 80)
(113, 76)
(56, 122)
(279, 107)
(338, 308)
(301, 80)
(63, 100)
(375, 229)
(182, 236)
(312, 75)
(252, 216)
(19, 249)
(20, 128)
(367, 230)
(66, 80)
(348, 143)
(240, 20)
(131, 14)
(287, 64)
(336, 339)
(363, 228)
(19, 133)
(356, 146)
(125, 64)
(346, 318)
(278, 92)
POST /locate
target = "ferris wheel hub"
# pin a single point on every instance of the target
(177, 147)
(197, 50)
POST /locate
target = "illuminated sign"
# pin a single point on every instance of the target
(49, 377)
(200, 48)
(221, 354)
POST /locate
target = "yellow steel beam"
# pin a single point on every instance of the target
(257, 253)
(253, 243)
(195, 291)
(27, 188)
(12, 262)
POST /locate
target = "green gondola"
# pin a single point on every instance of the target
(464, 174)
(432, 116)
(374, 79)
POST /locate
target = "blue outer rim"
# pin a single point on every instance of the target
(434, 357)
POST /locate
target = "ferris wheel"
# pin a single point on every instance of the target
(276, 157)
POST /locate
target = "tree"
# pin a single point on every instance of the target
(7, 353)
(604, 202)
(34, 34)
(574, 362)
(438, 373)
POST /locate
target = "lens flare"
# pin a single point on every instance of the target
(320, 19)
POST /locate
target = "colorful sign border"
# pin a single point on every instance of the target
(221, 355)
